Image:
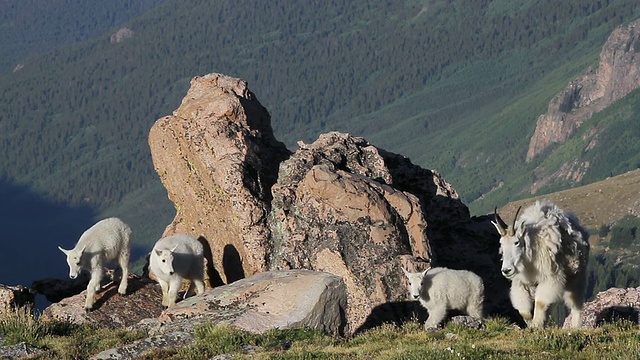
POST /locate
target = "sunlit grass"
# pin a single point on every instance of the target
(18, 325)
(61, 340)
(498, 340)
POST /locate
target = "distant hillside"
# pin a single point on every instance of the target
(454, 85)
(33, 27)
(601, 203)
(610, 210)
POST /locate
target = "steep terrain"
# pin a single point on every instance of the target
(455, 86)
(618, 74)
(610, 210)
(601, 203)
(33, 27)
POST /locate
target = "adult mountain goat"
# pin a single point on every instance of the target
(107, 240)
(544, 254)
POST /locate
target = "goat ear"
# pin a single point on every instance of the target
(158, 252)
(63, 250)
(424, 272)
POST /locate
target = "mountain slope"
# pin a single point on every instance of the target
(33, 27)
(454, 85)
(603, 202)
(610, 210)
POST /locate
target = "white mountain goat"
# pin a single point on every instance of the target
(440, 290)
(174, 259)
(544, 254)
(106, 241)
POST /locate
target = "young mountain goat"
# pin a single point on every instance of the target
(544, 254)
(107, 240)
(174, 259)
(440, 290)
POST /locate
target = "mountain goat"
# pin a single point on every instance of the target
(544, 254)
(174, 259)
(106, 241)
(440, 290)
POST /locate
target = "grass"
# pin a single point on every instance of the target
(19, 325)
(499, 340)
(603, 203)
(61, 340)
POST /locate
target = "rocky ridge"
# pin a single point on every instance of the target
(617, 75)
(339, 205)
(217, 158)
(314, 238)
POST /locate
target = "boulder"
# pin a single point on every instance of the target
(339, 205)
(269, 300)
(217, 158)
(134, 350)
(12, 297)
(143, 300)
(609, 306)
(21, 350)
(343, 206)
(55, 290)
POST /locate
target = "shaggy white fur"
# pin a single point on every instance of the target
(440, 290)
(545, 255)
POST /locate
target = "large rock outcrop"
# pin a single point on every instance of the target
(343, 206)
(217, 158)
(339, 205)
(617, 75)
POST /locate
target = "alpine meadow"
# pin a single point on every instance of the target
(455, 85)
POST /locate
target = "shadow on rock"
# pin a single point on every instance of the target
(232, 264)
(210, 271)
(397, 313)
(143, 301)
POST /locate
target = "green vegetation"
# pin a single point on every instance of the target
(454, 85)
(20, 325)
(32, 27)
(607, 271)
(500, 340)
(624, 235)
(61, 340)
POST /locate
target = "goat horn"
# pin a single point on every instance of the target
(499, 222)
(512, 231)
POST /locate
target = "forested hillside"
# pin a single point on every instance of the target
(32, 27)
(455, 85)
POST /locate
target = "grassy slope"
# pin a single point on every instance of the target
(351, 67)
(500, 340)
(600, 203)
